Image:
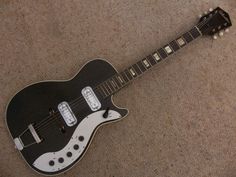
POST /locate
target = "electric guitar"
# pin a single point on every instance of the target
(52, 123)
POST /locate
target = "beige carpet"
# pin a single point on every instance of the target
(182, 120)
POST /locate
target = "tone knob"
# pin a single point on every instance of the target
(81, 138)
(51, 162)
(211, 9)
(76, 147)
(60, 160)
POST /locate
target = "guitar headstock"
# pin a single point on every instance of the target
(213, 22)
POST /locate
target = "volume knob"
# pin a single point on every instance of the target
(68, 154)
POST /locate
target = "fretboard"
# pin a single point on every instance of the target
(119, 80)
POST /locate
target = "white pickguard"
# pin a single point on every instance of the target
(85, 129)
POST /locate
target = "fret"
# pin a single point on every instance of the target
(121, 79)
(137, 70)
(168, 49)
(174, 45)
(110, 86)
(107, 87)
(181, 42)
(151, 60)
(114, 84)
(157, 57)
(188, 38)
(125, 78)
(128, 74)
(141, 66)
(133, 73)
(162, 53)
(146, 63)
(195, 32)
(102, 92)
(116, 80)
(104, 89)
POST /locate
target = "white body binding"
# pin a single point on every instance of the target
(85, 129)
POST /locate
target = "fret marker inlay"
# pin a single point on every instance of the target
(168, 49)
(132, 72)
(113, 84)
(180, 42)
(121, 81)
(146, 63)
(156, 56)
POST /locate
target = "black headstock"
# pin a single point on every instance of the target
(214, 21)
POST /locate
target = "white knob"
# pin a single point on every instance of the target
(221, 33)
(215, 37)
(206, 12)
(200, 16)
(211, 9)
(227, 30)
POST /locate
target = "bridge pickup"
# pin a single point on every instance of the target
(91, 98)
(67, 113)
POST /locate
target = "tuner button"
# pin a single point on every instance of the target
(211, 9)
(221, 33)
(215, 37)
(227, 30)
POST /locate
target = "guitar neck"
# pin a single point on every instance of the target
(118, 81)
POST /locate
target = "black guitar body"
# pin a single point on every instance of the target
(52, 123)
(36, 102)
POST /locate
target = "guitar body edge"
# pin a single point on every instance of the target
(51, 93)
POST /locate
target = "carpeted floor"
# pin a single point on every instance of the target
(182, 120)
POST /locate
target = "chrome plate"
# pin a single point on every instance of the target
(67, 113)
(91, 98)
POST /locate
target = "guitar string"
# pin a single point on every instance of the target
(99, 84)
(72, 104)
(42, 131)
(75, 102)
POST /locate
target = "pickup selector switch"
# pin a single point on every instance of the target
(105, 114)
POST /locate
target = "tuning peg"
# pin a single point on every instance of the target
(211, 9)
(221, 33)
(215, 37)
(227, 30)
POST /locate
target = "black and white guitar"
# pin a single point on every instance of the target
(52, 123)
